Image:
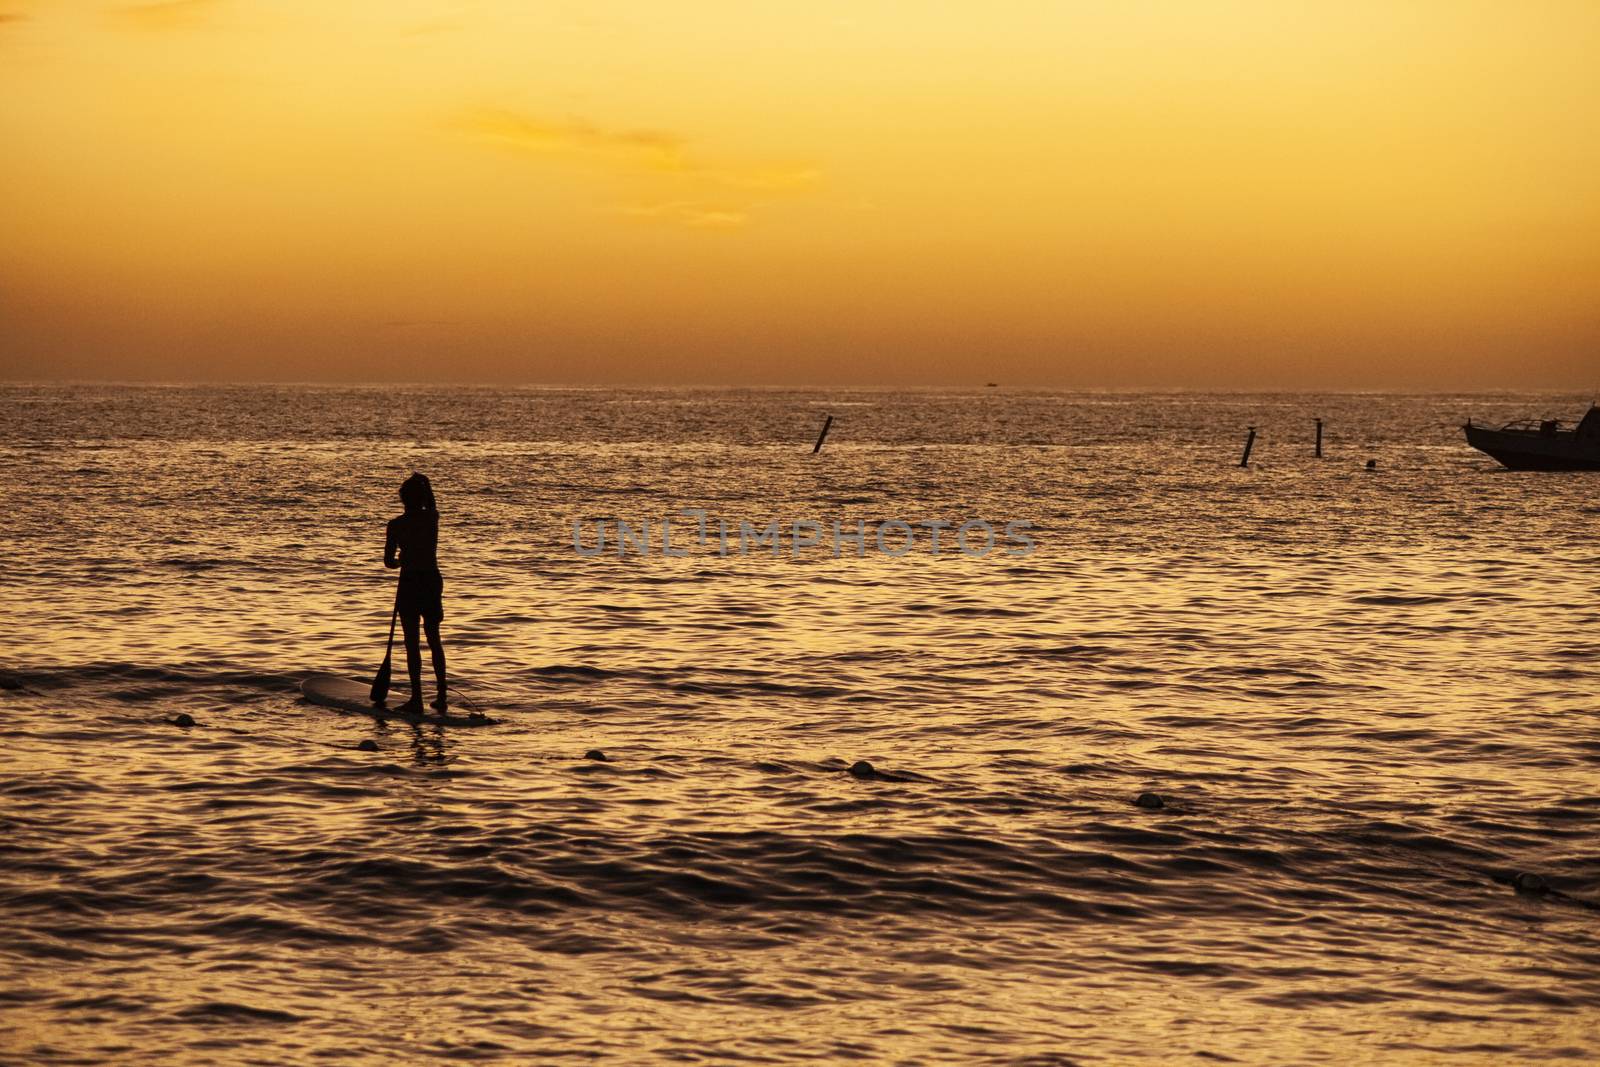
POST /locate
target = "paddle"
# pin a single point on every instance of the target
(380, 684)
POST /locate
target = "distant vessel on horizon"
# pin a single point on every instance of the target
(1541, 445)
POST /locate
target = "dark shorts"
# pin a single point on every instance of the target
(421, 594)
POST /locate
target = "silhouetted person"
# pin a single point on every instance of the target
(412, 545)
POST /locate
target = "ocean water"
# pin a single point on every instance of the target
(1368, 700)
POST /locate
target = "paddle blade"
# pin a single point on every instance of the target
(380, 684)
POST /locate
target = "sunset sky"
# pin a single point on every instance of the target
(1225, 194)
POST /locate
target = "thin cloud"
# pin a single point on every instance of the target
(164, 14)
(649, 149)
(431, 28)
(715, 220)
(642, 149)
(767, 180)
(689, 215)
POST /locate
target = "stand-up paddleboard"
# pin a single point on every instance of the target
(347, 694)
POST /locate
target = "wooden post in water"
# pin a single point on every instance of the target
(1319, 438)
(1249, 442)
(823, 436)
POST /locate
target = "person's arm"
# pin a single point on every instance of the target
(390, 547)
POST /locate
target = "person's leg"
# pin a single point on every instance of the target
(413, 658)
(436, 646)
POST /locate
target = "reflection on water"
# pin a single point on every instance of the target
(1367, 700)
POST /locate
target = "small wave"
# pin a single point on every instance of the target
(221, 1011)
(47, 678)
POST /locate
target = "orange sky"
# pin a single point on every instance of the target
(1123, 193)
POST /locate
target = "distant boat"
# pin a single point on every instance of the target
(1542, 445)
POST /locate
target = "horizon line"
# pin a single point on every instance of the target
(413, 384)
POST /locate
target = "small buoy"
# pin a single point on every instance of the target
(1530, 883)
(1372, 464)
(862, 769)
(1153, 801)
(596, 755)
(183, 719)
(367, 745)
